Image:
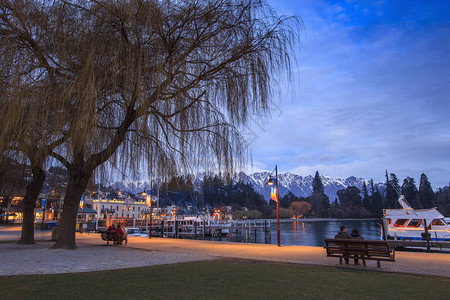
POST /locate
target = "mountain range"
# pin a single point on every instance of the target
(298, 185)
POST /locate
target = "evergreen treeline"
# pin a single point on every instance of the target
(219, 191)
(353, 203)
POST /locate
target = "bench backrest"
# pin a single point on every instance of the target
(110, 235)
(368, 248)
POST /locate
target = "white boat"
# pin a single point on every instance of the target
(411, 224)
(196, 225)
(134, 232)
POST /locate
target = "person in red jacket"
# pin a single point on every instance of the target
(122, 235)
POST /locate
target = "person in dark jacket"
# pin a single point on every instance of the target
(342, 234)
(355, 235)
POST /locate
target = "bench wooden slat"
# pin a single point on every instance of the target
(110, 236)
(359, 249)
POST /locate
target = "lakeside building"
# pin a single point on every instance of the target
(121, 208)
(12, 213)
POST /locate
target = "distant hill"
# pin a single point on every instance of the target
(298, 185)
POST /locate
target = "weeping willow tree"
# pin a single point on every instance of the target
(165, 84)
(31, 102)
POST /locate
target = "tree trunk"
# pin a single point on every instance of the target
(29, 204)
(78, 181)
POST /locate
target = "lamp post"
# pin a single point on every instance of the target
(43, 213)
(274, 196)
(149, 203)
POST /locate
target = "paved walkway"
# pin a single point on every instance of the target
(93, 254)
(407, 262)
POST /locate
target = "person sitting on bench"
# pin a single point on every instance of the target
(355, 235)
(122, 235)
(342, 234)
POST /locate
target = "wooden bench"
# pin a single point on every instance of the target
(360, 249)
(111, 236)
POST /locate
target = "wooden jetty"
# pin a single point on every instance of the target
(200, 228)
(429, 246)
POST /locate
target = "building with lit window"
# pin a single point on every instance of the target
(120, 208)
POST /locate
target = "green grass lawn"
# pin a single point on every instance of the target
(226, 279)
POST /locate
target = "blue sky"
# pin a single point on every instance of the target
(371, 92)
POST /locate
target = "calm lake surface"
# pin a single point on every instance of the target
(312, 233)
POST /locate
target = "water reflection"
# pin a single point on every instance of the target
(314, 232)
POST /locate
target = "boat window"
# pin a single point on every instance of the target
(389, 221)
(437, 222)
(400, 223)
(415, 223)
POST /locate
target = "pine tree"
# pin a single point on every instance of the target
(376, 199)
(366, 201)
(443, 200)
(317, 184)
(207, 189)
(319, 200)
(391, 193)
(350, 197)
(173, 185)
(409, 190)
(287, 199)
(426, 194)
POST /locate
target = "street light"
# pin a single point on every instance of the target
(274, 196)
(43, 213)
(149, 203)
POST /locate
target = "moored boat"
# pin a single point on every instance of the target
(411, 224)
(134, 231)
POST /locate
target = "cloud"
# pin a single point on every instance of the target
(370, 94)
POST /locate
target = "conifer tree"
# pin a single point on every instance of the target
(287, 199)
(409, 190)
(350, 196)
(317, 185)
(443, 200)
(391, 193)
(426, 194)
(377, 200)
(319, 200)
(366, 201)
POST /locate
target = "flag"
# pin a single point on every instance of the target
(82, 202)
(274, 191)
(149, 198)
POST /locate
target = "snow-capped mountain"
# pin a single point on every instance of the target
(132, 186)
(298, 185)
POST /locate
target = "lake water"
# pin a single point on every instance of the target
(312, 233)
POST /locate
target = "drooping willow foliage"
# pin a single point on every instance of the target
(165, 84)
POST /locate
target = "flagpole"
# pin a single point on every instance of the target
(98, 206)
(151, 204)
(274, 196)
(278, 208)
(82, 208)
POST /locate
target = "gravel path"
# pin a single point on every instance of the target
(39, 259)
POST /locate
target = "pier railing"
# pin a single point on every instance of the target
(247, 231)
